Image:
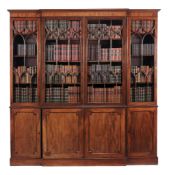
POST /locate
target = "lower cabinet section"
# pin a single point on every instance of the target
(105, 132)
(141, 132)
(25, 133)
(62, 133)
(78, 136)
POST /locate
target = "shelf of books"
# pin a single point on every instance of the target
(142, 60)
(105, 61)
(62, 61)
(25, 61)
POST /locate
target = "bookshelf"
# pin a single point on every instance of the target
(142, 60)
(25, 61)
(105, 61)
(62, 61)
(83, 87)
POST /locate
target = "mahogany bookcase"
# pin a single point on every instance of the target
(83, 87)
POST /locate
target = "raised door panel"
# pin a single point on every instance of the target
(105, 135)
(141, 136)
(62, 133)
(25, 133)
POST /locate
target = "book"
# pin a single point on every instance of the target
(104, 95)
(147, 49)
(142, 74)
(26, 26)
(104, 31)
(104, 73)
(60, 74)
(142, 26)
(63, 29)
(141, 94)
(25, 94)
(70, 94)
(26, 50)
(62, 52)
(25, 75)
(96, 53)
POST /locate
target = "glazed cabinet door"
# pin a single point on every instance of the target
(25, 61)
(105, 135)
(25, 133)
(141, 136)
(62, 133)
(142, 75)
(62, 60)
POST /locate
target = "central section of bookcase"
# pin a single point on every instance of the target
(63, 61)
(83, 87)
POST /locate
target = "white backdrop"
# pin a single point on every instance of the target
(163, 87)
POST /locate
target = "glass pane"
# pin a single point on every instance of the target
(62, 60)
(142, 61)
(105, 61)
(25, 61)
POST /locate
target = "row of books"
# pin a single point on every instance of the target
(25, 74)
(104, 31)
(71, 69)
(25, 79)
(96, 53)
(104, 95)
(111, 54)
(62, 29)
(26, 50)
(25, 26)
(104, 78)
(147, 50)
(68, 95)
(102, 74)
(62, 79)
(23, 69)
(145, 69)
(62, 52)
(62, 24)
(141, 94)
(25, 94)
(142, 26)
(142, 74)
(104, 68)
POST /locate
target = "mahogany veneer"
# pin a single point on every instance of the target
(85, 133)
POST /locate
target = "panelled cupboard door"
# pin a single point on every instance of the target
(62, 133)
(141, 136)
(105, 134)
(25, 130)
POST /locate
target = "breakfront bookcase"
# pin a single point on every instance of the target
(83, 87)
